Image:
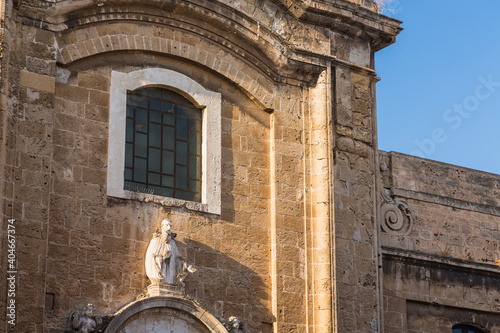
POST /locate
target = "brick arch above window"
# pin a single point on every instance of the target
(208, 101)
(255, 84)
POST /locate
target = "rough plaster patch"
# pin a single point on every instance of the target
(62, 75)
(12, 102)
(360, 54)
(32, 95)
(373, 324)
(68, 174)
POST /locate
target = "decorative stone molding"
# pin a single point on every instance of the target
(165, 314)
(353, 17)
(256, 85)
(395, 214)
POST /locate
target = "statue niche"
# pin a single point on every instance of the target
(164, 265)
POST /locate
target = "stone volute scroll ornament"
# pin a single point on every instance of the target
(164, 265)
(395, 213)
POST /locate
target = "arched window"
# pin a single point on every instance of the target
(465, 329)
(164, 140)
(163, 144)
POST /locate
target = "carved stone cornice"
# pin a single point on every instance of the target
(433, 260)
(349, 17)
(266, 42)
(265, 49)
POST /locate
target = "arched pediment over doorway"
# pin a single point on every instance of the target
(164, 314)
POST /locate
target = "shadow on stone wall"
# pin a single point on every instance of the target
(227, 286)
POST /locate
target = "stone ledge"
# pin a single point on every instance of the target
(405, 181)
(447, 201)
(438, 261)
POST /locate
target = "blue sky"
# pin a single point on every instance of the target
(439, 96)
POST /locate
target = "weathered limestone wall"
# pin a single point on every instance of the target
(425, 293)
(295, 245)
(429, 318)
(95, 245)
(449, 259)
(231, 251)
(456, 211)
(356, 248)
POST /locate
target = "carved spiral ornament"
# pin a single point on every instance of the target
(395, 216)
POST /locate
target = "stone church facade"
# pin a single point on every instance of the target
(251, 125)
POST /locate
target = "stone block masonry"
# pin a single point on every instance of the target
(444, 269)
(294, 247)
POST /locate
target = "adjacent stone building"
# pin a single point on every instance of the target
(251, 125)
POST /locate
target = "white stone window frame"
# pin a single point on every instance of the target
(208, 101)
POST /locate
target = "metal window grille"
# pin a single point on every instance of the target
(163, 144)
(465, 329)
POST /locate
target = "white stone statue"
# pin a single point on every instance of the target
(164, 265)
(86, 322)
(233, 325)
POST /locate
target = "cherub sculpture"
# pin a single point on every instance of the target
(84, 322)
(233, 325)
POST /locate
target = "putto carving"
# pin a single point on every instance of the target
(165, 267)
(85, 321)
(395, 214)
(233, 325)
